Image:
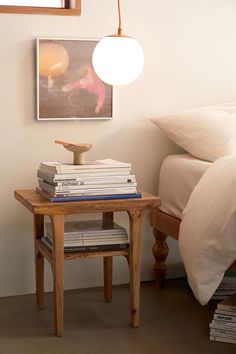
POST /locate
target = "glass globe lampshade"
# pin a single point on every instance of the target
(118, 59)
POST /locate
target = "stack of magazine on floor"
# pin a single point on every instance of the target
(223, 325)
(89, 235)
(226, 288)
(100, 179)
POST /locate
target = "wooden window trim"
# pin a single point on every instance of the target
(74, 9)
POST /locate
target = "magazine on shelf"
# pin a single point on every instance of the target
(66, 167)
(90, 235)
(89, 171)
(90, 240)
(90, 191)
(87, 244)
(77, 198)
(75, 177)
(89, 227)
(90, 181)
(84, 187)
(88, 248)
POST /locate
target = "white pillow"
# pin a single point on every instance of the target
(206, 133)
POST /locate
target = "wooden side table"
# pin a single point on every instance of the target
(57, 212)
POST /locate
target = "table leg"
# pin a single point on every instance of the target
(58, 270)
(135, 217)
(107, 268)
(39, 260)
(160, 252)
(107, 219)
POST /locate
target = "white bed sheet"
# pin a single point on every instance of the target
(178, 176)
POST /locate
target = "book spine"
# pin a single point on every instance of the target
(225, 317)
(94, 181)
(77, 177)
(88, 198)
(227, 308)
(89, 248)
(222, 332)
(227, 287)
(98, 165)
(223, 323)
(225, 312)
(223, 327)
(92, 233)
(81, 241)
(222, 339)
(90, 192)
(84, 186)
(96, 248)
(59, 171)
(225, 292)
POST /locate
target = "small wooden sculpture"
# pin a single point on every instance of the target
(77, 149)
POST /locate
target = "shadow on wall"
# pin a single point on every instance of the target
(144, 145)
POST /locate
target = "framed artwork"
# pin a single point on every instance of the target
(67, 85)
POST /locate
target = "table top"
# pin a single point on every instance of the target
(37, 204)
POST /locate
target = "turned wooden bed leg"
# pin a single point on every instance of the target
(160, 252)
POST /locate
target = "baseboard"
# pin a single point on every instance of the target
(175, 271)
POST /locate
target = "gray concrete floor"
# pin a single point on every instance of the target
(171, 322)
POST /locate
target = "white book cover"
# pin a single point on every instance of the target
(105, 238)
(100, 180)
(81, 175)
(93, 243)
(223, 327)
(89, 171)
(215, 322)
(120, 245)
(83, 186)
(225, 312)
(65, 177)
(223, 332)
(95, 226)
(222, 339)
(93, 192)
(92, 233)
(97, 164)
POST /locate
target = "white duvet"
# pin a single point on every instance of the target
(207, 238)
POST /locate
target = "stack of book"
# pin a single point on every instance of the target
(100, 179)
(226, 288)
(223, 325)
(89, 235)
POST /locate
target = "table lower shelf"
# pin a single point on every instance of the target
(47, 253)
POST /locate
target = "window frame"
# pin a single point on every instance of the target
(72, 8)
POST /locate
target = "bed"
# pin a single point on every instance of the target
(197, 197)
(178, 176)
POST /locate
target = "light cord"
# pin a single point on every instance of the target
(119, 14)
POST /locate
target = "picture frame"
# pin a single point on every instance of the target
(67, 85)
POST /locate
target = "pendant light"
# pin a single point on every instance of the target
(118, 59)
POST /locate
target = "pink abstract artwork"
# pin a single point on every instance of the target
(67, 85)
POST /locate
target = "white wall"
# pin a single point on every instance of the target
(190, 56)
